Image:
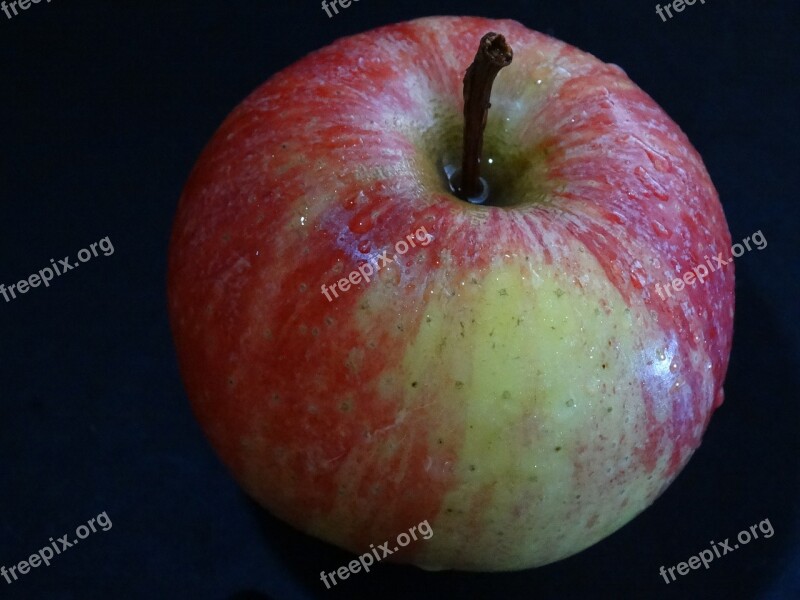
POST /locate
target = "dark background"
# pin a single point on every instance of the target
(103, 111)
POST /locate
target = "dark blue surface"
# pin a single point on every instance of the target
(104, 109)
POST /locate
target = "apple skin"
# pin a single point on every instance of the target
(517, 382)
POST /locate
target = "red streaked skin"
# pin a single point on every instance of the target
(352, 419)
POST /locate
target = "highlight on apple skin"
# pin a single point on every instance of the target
(515, 381)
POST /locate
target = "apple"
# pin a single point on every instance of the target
(515, 381)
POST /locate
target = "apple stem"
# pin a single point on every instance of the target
(493, 54)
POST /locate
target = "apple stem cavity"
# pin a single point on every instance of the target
(493, 54)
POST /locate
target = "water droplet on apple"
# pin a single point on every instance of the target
(660, 230)
(673, 367)
(637, 282)
(364, 246)
(360, 223)
(650, 183)
(661, 354)
(660, 162)
(616, 218)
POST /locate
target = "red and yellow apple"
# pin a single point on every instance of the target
(516, 381)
